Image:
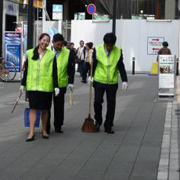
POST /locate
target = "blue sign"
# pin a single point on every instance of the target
(13, 52)
(57, 8)
(13, 49)
(91, 8)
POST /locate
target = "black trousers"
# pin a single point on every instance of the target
(87, 69)
(58, 110)
(110, 90)
(81, 67)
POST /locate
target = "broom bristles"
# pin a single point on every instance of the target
(88, 125)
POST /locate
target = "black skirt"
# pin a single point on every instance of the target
(39, 100)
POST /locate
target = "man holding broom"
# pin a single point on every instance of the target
(107, 61)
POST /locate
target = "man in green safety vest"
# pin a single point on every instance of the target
(64, 73)
(107, 61)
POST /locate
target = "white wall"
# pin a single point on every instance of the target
(131, 36)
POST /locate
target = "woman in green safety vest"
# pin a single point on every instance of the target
(38, 80)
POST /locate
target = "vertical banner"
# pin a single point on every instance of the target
(13, 41)
(167, 71)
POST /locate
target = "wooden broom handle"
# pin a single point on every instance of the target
(90, 89)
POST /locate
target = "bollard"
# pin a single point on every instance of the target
(177, 67)
(133, 65)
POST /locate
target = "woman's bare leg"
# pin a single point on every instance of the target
(44, 122)
(32, 120)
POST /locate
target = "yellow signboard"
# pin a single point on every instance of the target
(37, 3)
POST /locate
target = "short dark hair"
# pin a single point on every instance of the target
(71, 43)
(58, 37)
(81, 41)
(65, 43)
(110, 38)
(89, 44)
(165, 44)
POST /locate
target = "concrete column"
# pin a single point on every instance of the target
(44, 15)
(66, 11)
(170, 9)
(126, 10)
(157, 10)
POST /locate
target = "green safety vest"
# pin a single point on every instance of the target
(62, 63)
(39, 76)
(107, 71)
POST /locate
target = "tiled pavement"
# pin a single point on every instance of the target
(132, 153)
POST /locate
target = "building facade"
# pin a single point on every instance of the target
(126, 9)
(14, 12)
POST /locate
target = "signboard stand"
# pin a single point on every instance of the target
(166, 75)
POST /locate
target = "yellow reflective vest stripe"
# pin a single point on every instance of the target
(106, 71)
(39, 75)
(62, 67)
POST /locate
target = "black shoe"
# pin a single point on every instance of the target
(109, 130)
(45, 136)
(30, 139)
(58, 130)
(97, 127)
(48, 130)
(83, 81)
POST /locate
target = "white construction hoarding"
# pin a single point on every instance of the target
(132, 36)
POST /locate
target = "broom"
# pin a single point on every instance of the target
(88, 125)
(17, 100)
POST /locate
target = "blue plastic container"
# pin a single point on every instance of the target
(26, 117)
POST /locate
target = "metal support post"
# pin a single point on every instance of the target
(30, 35)
(133, 65)
(177, 67)
(30, 25)
(1, 27)
(114, 16)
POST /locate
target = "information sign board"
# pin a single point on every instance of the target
(167, 75)
(57, 12)
(154, 44)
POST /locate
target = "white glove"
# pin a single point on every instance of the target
(124, 86)
(90, 80)
(22, 88)
(57, 91)
(71, 87)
